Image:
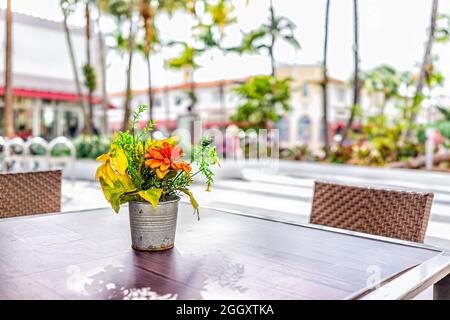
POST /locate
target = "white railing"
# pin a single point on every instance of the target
(17, 155)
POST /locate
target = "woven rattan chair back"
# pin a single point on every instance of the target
(28, 193)
(390, 213)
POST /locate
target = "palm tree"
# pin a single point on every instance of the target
(272, 38)
(425, 67)
(185, 62)
(265, 37)
(383, 80)
(102, 59)
(123, 12)
(130, 50)
(147, 14)
(325, 82)
(67, 7)
(8, 112)
(356, 85)
(88, 69)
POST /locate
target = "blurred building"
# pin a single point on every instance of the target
(303, 125)
(44, 93)
(217, 102)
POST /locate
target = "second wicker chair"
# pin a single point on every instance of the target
(390, 213)
(26, 193)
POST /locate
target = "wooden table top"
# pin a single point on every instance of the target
(88, 255)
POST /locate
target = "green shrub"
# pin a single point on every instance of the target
(90, 147)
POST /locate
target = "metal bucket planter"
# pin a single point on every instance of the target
(153, 230)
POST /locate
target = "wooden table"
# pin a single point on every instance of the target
(87, 255)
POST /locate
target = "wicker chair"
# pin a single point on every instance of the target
(28, 193)
(390, 213)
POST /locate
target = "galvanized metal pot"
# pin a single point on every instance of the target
(153, 230)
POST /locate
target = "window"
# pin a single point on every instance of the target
(305, 90)
(283, 128)
(304, 129)
(157, 102)
(178, 100)
(340, 93)
(216, 95)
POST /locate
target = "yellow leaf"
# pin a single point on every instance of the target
(115, 137)
(103, 158)
(126, 182)
(160, 143)
(151, 195)
(160, 174)
(119, 160)
(194, 202)
(139, 149)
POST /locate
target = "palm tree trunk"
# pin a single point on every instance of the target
(102, 58)
(325, 84)
(8, 112)
(223, 106)
(167, 109)
(90, 124)
(127, 107)
(192, 94)
(147, 15)
(75, 71)
(150, 91)
(272, 39)
(423, 70)
(356, 85)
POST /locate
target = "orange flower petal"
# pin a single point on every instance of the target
(164, 167)
(176, 153)
(181, 165)
(154, 154)
(153, 163)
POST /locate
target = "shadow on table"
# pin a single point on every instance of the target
(166, 275)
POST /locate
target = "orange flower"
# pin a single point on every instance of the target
(166, 158)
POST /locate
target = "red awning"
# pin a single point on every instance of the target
(50, 95)
(171, 123)
(341, 125)
(220, 124)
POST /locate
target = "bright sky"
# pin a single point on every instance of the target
(391, 32)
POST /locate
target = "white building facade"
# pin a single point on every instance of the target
(216, 103)
(44, 93)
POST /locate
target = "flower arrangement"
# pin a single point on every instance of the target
(138, 168)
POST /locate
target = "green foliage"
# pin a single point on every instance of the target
(443, 28)
(261, 38)
(60, 150)
(298, 153)
(383, 79)
(263, 99)
(186, 58)
(68, 6)
(445, 113)
(91, 147)
(204, 156)
(380, 142)
(220, 13)
(116, 8)
(171, 6)
(444, 125)
(90, 79)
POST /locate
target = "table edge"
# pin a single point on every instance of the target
(412, 282)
